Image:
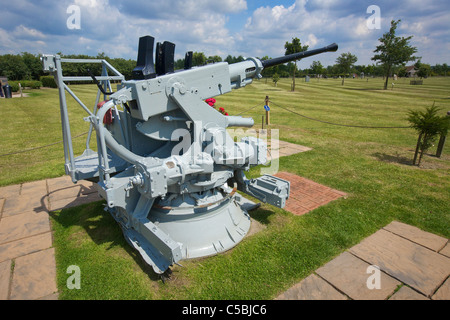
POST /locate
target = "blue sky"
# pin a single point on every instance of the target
(236, 27)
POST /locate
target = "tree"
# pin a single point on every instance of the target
(316, 68)
(291, 48)
(33, 64)
(393, 51)
(13, 67)
(214, 59)
(198, 59)
(125, 67)
(230, 59)
(423, 69)
(444, 69)
(275, 78)
(429, 125)
(346, 61)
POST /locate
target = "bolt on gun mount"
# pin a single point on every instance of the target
(165, 162)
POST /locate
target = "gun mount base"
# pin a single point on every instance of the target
(204, 231)
(170, 234)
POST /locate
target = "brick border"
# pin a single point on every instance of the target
(307, 195)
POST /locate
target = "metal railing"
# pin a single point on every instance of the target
(53, 64)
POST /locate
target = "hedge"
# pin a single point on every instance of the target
(25, 83)
(48, 81)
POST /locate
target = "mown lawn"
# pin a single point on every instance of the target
(373, 166)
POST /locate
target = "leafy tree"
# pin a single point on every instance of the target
(445, 69)
(214, 59)
(393, 51)
(346, 61)
(125, 67)
(33, 64)
(275, 78)
(291, 48)
(429, 125)
(401, 71)
(13, 67)
(316, 68)
(198, 59)
(230, 59)
(424, 69)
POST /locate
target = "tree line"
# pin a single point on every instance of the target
(27, 66)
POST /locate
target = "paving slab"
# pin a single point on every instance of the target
(312, 288)
(24, 203)
(63, 188)
(75, 191)
(406, 293)
(446, 250)
(53, 296)
(443, 293)
(35, 189)
(275, 148)
(10, 191)
(74, 201)
(5, 276)
(410, 263)
(34, 276)
(26, 237)
(426, 239)
(350, 274)
(58, 183)
(14, 249)
(23, 225)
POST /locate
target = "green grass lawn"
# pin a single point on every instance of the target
(373, 166)
(35, 121)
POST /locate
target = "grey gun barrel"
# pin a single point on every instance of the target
(297, 56)
(242, 73)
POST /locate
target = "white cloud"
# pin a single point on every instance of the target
(27, 33)
(213, 27)
(312, 41)
(11, 44)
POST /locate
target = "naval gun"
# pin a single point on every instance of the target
(165, 163)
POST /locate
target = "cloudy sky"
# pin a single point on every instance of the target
(236, 27)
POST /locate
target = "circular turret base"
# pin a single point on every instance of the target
(203, 230)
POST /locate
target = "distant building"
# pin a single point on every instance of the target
(411, 71)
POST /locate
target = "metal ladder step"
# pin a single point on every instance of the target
(87, 166)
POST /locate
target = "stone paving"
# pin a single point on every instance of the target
(27, 260)
(398, 262)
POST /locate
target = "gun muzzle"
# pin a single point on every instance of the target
(297, 56)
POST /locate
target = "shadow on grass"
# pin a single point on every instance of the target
(393, 158)
(261, 215)
(101, 228)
